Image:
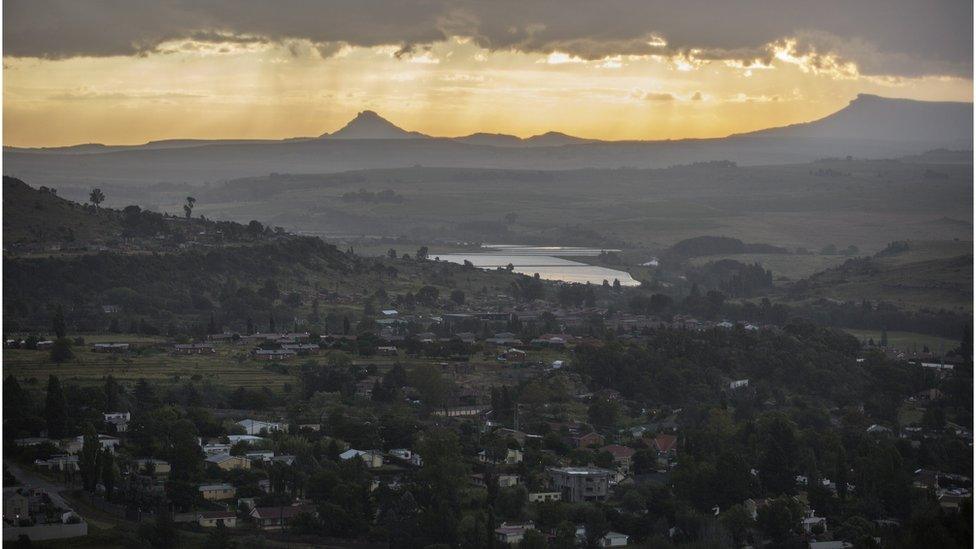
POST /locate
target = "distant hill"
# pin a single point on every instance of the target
(369, 125)
(885, 119)
(556, 139)
(870, 127)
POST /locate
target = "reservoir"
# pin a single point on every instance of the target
(548, 261)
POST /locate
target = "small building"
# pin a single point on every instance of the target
(194, 349)
(228, 462)
(119, 419)
(216, 492)
(536, 497)
(212, 519)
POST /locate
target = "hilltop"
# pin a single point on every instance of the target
(370, 125)
(878, 118)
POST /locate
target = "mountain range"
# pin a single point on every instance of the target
(869, 127)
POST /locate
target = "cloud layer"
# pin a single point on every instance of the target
(882, 37)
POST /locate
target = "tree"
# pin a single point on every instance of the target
(108, 473)
(533, 539)
(457, 296)
(112, 394)
(55, 409)
(96, 197)
(88, 460)
(61, 350)
(188, 206)
(422, 253)
(58, 325)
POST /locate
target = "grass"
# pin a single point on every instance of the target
(907, 340)
(790, 266)
(230, 367)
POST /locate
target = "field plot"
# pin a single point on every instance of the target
(230, 368)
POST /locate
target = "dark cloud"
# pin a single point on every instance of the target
(891, 37)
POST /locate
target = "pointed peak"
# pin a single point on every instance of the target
(370, 125)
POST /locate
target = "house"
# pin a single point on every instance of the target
(151, 466)
(736, 384)
(215, 492)
(622, 455)
(614, 539)
(119, 419)
(386, 351)
(512, 355)
(831, 545)
(507, 481)
(60, 462)
(812, 522)
(372, 458)
(511, 534)
(228, 462)
(411, 457)
(262, 455)
(511, 457)
(105, 347)
(193, 349)
(105, 441)
(255, 427)
(666, 447)
(579, 484)
(211, 519)
(274, 354)
(214, 448)
(277, 518)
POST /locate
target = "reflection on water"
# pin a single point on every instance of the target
(544, 261)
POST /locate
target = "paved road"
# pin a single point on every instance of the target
(31, 480)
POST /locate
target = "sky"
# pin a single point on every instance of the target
(131, 71)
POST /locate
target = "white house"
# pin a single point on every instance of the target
(255, 427)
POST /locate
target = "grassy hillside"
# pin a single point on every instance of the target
(39, 215)
(925, 275)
